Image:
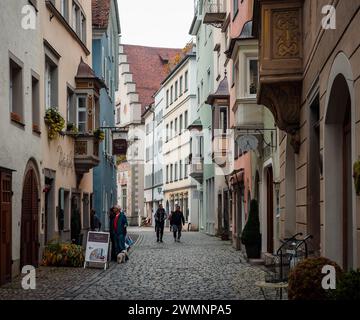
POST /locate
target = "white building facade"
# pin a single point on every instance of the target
(180, 98)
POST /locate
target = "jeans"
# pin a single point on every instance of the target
(177, 230)
(159, 230)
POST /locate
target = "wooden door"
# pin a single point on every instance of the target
(270, 210)
(29, 221)
(5, 226)
(347, 193)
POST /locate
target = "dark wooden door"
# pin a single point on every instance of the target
(5, 227)
(29, 221)
(347, 193)
(270, 210)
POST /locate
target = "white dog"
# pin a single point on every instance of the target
(122, 256)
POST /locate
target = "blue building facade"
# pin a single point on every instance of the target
(106, 32)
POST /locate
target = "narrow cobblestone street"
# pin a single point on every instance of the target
(199, 267)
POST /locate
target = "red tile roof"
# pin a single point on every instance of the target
(147, 64)
(101, 13)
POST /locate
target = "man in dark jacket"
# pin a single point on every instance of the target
(160, 217)
(95, 224)
(177, 221)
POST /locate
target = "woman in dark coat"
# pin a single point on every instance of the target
(120, 224)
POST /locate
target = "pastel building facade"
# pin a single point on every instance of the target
(106, 32)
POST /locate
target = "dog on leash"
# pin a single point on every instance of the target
(122, 257)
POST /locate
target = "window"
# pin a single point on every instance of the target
(235, 73)
(171, 173)
(186, 120)
(198, 95)
(218, 64)
(235, 7)
(181, 123)
(181, 170)
(51, 84)
(171, 130)
(167, 133)
(176, 90)
(70, 115)
(64, 9)
(176, 171)
(202, 92)
(252, 76)
(124, 198)
(35, 101)
(176, 126)
(16, 91)
(167, 174)
(186, 81)
(181, 85)
(81, 114)
(75, 11)
(171, 94)
(185, 170)
(223, 120)
(82, 28)
(118, 116)
(167, 98)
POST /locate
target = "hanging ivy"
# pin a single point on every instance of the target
(99, 134)
(55, 123)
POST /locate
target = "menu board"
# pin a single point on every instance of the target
(97, 248)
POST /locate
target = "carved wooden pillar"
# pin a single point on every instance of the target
(281, 63)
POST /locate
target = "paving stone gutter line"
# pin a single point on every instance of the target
(97, 277)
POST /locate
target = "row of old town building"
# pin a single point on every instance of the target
(262, 104)
(59, 74)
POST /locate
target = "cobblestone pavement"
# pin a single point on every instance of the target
(199, 267)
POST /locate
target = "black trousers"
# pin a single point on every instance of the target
(159, 230)
(177, 231)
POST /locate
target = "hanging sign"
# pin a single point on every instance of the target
(97, 248)
(120, 147)
(248, 143)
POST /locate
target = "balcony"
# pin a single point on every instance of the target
(215, 13)
(196, 168)
(86, 153)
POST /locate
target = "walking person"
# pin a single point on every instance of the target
(177, 222)
(160, 217)
(112, 215)
(120, 225)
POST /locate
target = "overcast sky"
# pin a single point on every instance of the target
(156, 23)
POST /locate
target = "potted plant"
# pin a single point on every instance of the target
(347, 286)
(71, 128)
(251, 236)
(99, 135)
(55, 123)
(305, 280)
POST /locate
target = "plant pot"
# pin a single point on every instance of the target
(253, 251)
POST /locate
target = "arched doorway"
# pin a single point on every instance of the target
(339, 144)
(30, 220)
(270, 209)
